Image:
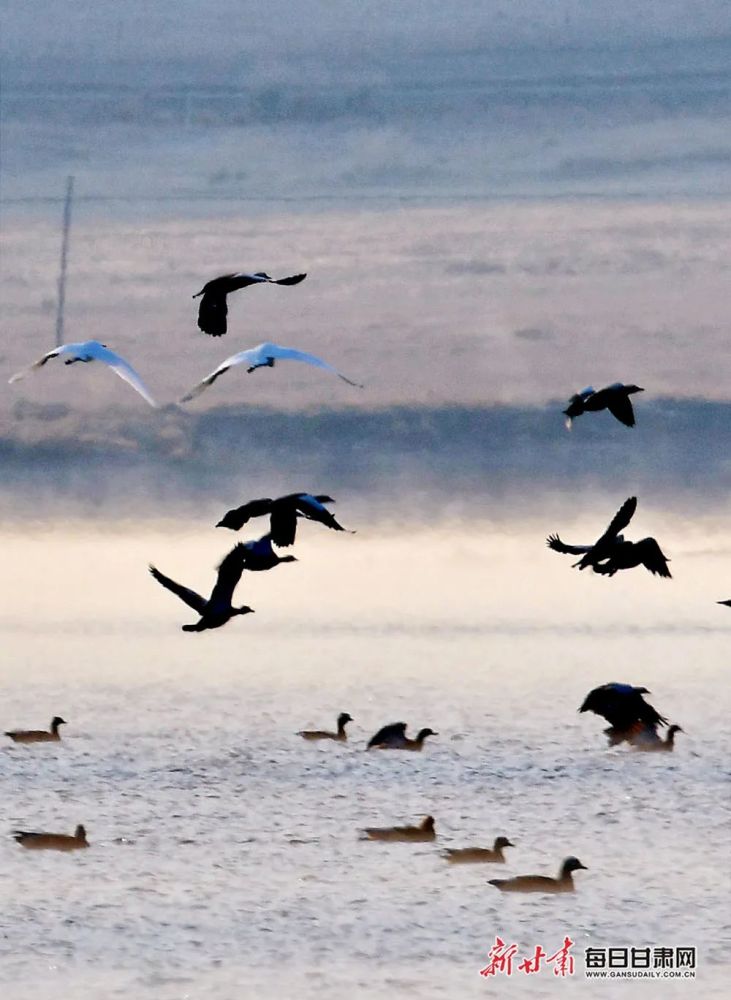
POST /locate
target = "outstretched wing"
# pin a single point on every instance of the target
(125, 370)
(238, 516)
(229, 574)
(394, 731)
(555, 543)
(620, 520)
(313, 510)
(620, 407)
(243, 357)
(652, 557)
(212, 313)
(189, 597)
(36, 364)
(290, 354)
(293, 279)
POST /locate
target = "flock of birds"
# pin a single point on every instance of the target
(631, 719)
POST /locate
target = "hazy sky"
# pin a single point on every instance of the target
(95, 31)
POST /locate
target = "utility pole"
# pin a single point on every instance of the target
(64, 256)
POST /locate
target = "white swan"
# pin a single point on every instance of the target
(92, 350)
(263, 356)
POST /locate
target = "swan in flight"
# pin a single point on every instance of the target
(217, 610)
(614, 397)
(283, 512)
(624, 708)
(611, 552)
(92, 350)
(213, 309)
(263, 356)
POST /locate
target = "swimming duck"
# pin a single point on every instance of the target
(479, 855)
(646, 738)
(614, 398)
(263, 356)
(217, 610)
(38, 735)
(624, 708)
(611, 552)
(322, 734)
(283, 513)
(261, 556)
(213, 308)
(541, 883)
(393, 737)
(52, 841)
(424, 831)
(92, 350)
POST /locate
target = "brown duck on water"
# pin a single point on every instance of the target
(479, 855)
(38, 735)
(541, 883)
(322, 734)
(423, 832)
(52, 841)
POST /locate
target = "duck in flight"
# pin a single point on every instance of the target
(423, 832)
(259, 555)
(263, 356)
(217, 610)
(624, 708)
(213, 308)
(393, 737)
(51, 735)
(283, 513)
(614, 398)
(52, 841)
(92, 350)
(541, 883)
(479, 855)
(611, 552)
(322, 734)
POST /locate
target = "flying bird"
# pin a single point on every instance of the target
(217, 610)
(726, 603)
(423, 832)
(614, 398)
(611, 552)
(213, 308)
(51, 735)
(92, 350)
(263, 356)
(259, 555)
(479, 855)
(393, 737)
(52, 841)
(541, 883)
(624, 708)
(321, 734)
(283, 513)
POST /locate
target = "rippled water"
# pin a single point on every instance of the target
(225, 859)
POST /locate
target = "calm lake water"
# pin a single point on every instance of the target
(225, 858)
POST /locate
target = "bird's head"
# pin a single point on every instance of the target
(245, 610)
(572, 865)
(80, 832)
(427, 823)
(673, 730)
(501, 842)
(343, 718)
(423, 733)
(57, 721)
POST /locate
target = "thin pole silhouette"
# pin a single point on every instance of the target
(64, 258)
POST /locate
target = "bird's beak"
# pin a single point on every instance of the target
(582, 866)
